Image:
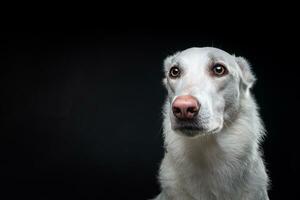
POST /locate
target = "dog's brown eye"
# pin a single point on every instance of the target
(219, 70)
(174, 72)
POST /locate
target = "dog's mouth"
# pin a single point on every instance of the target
(187, 127)
(192, 128)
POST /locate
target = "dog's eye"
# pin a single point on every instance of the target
(174, 72)
(219, 70)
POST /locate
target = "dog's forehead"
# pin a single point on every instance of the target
(204, 55)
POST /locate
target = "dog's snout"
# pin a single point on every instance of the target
(185, 107)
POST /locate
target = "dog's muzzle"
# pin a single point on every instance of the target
(185, 111)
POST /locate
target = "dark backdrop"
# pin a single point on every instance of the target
(81, 107)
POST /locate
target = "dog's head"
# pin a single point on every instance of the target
(205, 87)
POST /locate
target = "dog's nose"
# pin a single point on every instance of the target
(185, 107)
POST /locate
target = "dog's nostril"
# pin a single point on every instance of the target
(192, 109)
(176, 110)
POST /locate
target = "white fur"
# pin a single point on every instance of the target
(223, 161)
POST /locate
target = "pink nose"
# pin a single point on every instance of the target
(185, 107)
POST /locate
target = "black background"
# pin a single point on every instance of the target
(81, 105)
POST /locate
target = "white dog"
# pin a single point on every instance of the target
(212, 129)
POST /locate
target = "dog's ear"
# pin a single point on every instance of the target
(247, 76)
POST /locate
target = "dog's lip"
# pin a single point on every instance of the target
(187, 127)
(196, 129)
(214, 130)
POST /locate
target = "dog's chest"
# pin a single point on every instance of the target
(207, 174)
(207, 184)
